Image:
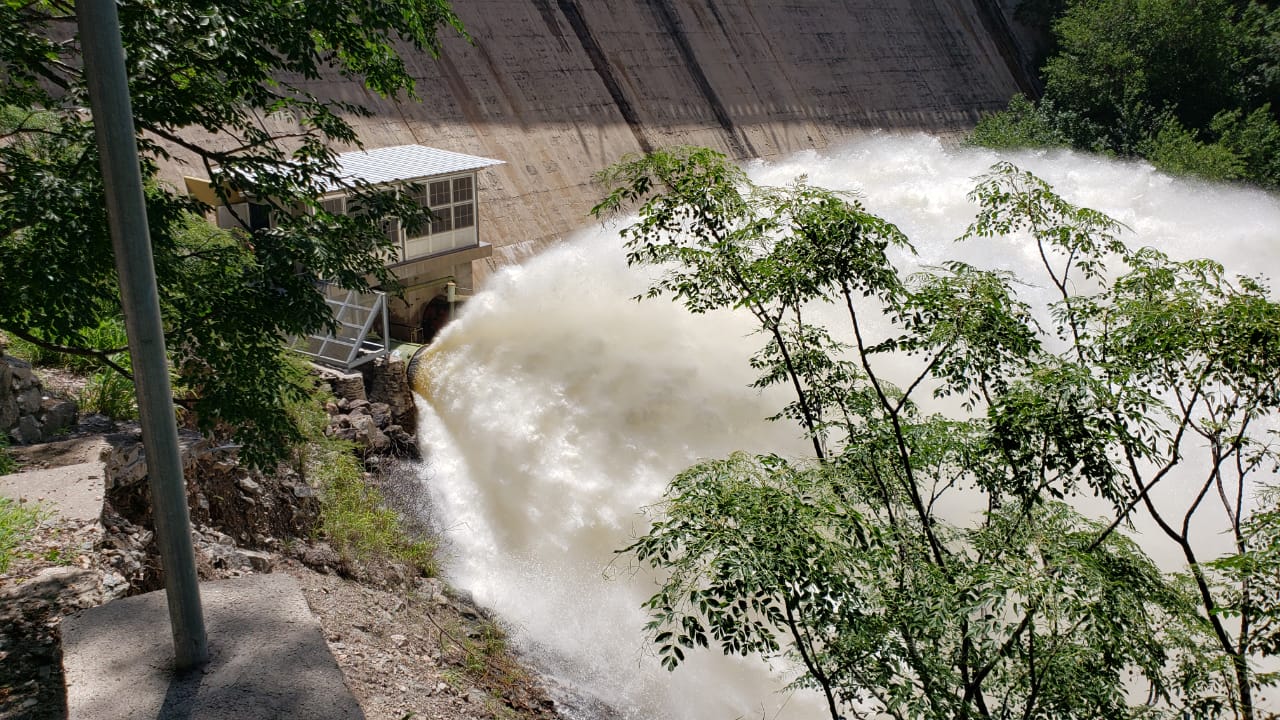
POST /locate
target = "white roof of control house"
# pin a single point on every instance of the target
(402, 163)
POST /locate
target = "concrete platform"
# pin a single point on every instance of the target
(268, 659)
(73, 492)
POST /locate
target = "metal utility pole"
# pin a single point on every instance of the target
(104, 70)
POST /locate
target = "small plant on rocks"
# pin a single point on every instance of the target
(354, 515)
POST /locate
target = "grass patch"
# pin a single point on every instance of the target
(481, 654)
(110, 393)
(354, 515)
(7, 463)
(17, 521)
(485, 649)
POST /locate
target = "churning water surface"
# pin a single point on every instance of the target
(556, 407)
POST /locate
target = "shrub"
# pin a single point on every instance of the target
(1255, 139)
(1179, 151)
(1023, 124)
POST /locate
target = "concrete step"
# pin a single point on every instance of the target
(72, 492)
(268, 659)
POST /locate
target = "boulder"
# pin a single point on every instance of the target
(57, 415)
(318, 556)
(22, 375)
(28, 431)
(346, 386)
(30, 399)
(96, 423)
(26, 415)
(8, 410)
(381, 413)
(368, 434)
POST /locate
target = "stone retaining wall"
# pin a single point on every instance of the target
(27, 415)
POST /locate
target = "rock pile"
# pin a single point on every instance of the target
(239, 515)
(370, 427)
(380, 421)
(388, 382)
(27, 415)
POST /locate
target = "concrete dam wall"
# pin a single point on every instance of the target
(559, 89)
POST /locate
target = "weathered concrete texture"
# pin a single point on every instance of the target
(560, 89)
(73, 492)
(269, 659)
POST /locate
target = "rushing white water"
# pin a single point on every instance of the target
(557, 406)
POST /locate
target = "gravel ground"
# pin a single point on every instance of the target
(408, 646)
(421, 653)
(34, 595)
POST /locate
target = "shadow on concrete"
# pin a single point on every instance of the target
(268, 659)
(180, 699)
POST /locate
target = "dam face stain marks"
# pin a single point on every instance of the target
(553, 25)
(563, 88)
(670, 22)
(1006, 41)
(471, 108)
(572, 13)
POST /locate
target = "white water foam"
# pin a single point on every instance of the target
(558, 406)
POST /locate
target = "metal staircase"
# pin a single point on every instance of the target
(363, 331)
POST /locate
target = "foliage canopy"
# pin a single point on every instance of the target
(209, 80)
(1191, 85)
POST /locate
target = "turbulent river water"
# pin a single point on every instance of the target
(556, 407)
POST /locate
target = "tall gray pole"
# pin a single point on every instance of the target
(127, 212)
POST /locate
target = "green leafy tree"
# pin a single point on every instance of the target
(929, 565)
(203, 76)
(1179, 151)
(1022, 124)
(1253, 138)
(1121, 63)
(1187, 84)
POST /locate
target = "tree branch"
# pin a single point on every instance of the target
(102, 356)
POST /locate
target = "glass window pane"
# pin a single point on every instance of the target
(440, 193)
(463, 215)
(335, 206)
(461, 189)
(259, 216)
(442, 221)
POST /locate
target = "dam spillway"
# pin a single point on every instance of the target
(559, 89)
(556, 407)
